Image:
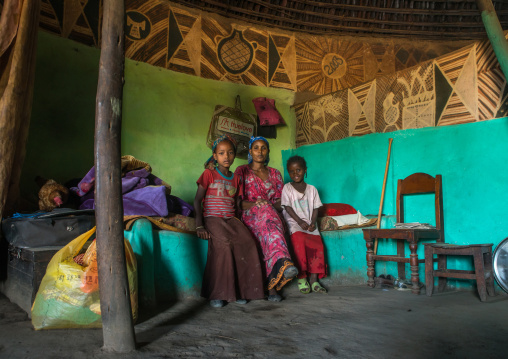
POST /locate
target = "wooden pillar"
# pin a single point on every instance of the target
(117, 324)
(495, 33)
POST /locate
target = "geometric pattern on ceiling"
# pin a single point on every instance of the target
(185, 40)
(461, 73)
(361, 104)
(448, 90)
(322, 114)
(77, 20)
(491, 83)
(326, 66)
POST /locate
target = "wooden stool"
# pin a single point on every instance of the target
(482, 256)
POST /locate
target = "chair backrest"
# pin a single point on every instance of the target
(419, 183)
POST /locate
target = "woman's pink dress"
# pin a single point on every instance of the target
(265, 222)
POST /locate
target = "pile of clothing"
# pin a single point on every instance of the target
(143, 193)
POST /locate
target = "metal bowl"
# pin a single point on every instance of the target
(500, 264)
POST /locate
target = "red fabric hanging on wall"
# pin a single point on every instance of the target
(267, 113)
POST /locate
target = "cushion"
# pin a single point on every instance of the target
(335, 209)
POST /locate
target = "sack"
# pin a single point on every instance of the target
(68, 296)
(56, 228)
(327, 224)
(239, 125)
(267, 113)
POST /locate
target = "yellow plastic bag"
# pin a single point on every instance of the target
(68, 296)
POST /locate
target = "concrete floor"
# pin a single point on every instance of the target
(349, 322)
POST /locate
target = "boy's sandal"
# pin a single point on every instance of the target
(303, 286)
(316, 287)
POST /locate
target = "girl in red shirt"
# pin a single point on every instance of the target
(233, 269)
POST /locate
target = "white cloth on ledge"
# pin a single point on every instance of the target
(349, 219)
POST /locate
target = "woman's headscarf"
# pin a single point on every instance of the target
(254, 139)
(215, 143)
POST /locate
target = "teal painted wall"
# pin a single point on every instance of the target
(166, 116)
(170, 264)
(345, 255)
(471, 158)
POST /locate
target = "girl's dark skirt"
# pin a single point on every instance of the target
(233, 268)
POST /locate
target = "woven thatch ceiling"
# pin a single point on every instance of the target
(438, 19)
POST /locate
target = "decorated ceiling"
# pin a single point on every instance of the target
(164, 34)
(461, 87)
(418, 19)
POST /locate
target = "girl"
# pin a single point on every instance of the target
(301, 202)
(233, 270)
(262, 186)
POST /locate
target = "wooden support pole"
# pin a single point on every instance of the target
(117, 324)
(495, 33)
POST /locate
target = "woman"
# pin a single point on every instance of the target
(260, 204)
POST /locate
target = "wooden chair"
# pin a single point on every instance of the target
(417, 183)
(482, 258)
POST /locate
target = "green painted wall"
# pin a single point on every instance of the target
(61, 135)
(166, 116)
(471, 158)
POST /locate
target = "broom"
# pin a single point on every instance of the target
(383, 192)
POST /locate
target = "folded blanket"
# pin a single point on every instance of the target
(162, 223)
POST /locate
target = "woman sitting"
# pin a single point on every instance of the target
(261, 213)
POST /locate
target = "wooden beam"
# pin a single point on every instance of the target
(403, 9)
(356, 10)
(495, 33)
(342, 25)
(117, 324)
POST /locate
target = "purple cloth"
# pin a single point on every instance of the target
(88, 179)
(135, 180)
(148, 201)
(87, 201)
(139, 196)
(179, 206)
